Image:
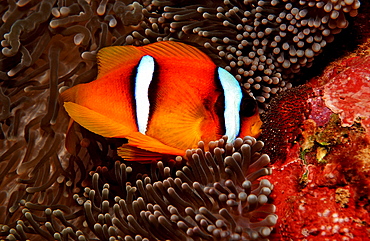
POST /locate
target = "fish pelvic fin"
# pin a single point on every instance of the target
(132, 153)
(251, 126)
(144, 148)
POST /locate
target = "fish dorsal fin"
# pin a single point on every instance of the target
(111, 58)
(171, 49)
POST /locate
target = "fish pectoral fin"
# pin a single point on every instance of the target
(150, 144)
(178, 117)
(183, 133)
(95, 122)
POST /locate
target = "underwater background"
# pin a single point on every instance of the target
(305, 62)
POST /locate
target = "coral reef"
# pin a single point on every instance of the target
(350, 103)
(327, 193)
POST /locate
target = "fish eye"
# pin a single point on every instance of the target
(248, 107)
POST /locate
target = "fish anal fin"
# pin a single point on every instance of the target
(95, 122)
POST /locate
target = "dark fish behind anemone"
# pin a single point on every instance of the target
(153, 94)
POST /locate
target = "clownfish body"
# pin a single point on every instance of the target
(163, 97)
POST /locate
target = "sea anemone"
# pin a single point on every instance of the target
(263, 43)
(46, 45)
(218, 195)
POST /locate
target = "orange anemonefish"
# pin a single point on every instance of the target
(163, 97)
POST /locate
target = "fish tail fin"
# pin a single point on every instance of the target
(72, 138)
(143, 148)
